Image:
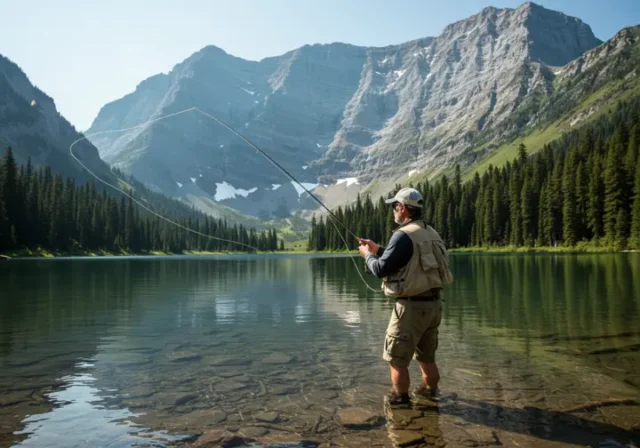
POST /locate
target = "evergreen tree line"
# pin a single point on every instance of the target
(41, 210)
(582, 187)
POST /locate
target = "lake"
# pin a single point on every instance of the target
(270, 350)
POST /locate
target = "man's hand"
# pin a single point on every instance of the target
(364, 250)
(367, 247)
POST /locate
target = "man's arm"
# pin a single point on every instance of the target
(392, 258)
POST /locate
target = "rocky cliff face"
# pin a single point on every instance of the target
(33, 127)
(617, 60)
(336, 115)
(445, 91)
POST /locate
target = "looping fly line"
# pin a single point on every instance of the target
(334, 218)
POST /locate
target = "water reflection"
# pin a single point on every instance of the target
(567, 295)
(188, 345)
(77, 409)
(581, 305)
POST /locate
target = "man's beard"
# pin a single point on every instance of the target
(400, 222)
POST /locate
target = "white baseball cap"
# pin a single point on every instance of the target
(407, 196)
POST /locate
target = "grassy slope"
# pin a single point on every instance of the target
(605, 100)
(600, 102)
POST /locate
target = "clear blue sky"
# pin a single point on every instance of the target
(85, 54)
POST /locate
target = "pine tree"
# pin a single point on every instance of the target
(312, 244)
(84, 219)
(479, 232)
(582, 201)
(569, 219)
(112, 226)
(97, 224)
(554, 207)
(442, 209)
(528, 212)
(56, 229)
(129, 228)
(631, 157)
(498, 210)
(10, 197)
(457, 186)
(4, 228)
(614, 182)
(544, 225)
(322, 235)
(488, 226)
(595, 204)
(68, 225)
(522, 155)
(635, 211)
(465, 216)
(622, 229)
(45, 205)
(514, 208)
(451, 225)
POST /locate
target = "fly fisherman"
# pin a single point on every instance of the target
(414, 267)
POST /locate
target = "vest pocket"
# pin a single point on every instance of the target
(443, 261)
(427, 258)
(394, 285)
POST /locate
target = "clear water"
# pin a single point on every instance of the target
(157, 351)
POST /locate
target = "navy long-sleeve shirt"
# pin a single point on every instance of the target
(391, 259)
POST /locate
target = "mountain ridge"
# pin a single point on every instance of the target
(331, 112)
(35, 129)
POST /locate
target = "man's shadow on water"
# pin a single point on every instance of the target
(540, 423)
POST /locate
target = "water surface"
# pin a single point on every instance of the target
(156, 351)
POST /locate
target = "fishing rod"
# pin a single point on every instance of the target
(334, 218)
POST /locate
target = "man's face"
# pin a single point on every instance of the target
(399, 212)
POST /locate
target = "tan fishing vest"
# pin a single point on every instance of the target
(428, 267)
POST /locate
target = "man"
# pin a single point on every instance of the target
(413, 268)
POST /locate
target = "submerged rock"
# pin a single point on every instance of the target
(322, 395)
(225, 361)
(196, 420)
(252, 432)
(227, 386)
(184, 357)
(184, 399)
(357, 417)
(232, 374)
(405, 438)
(216, 438)
(277, 358)
(283, 389)
(174, 399)
(401, 418)
(268, 417)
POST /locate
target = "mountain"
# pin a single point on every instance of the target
(34, 128)
(290, 105)
(580, 92)
(342, 118)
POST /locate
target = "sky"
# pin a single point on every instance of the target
(86, 54)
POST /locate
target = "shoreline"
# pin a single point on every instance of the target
(579, 249)
(41, 253)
